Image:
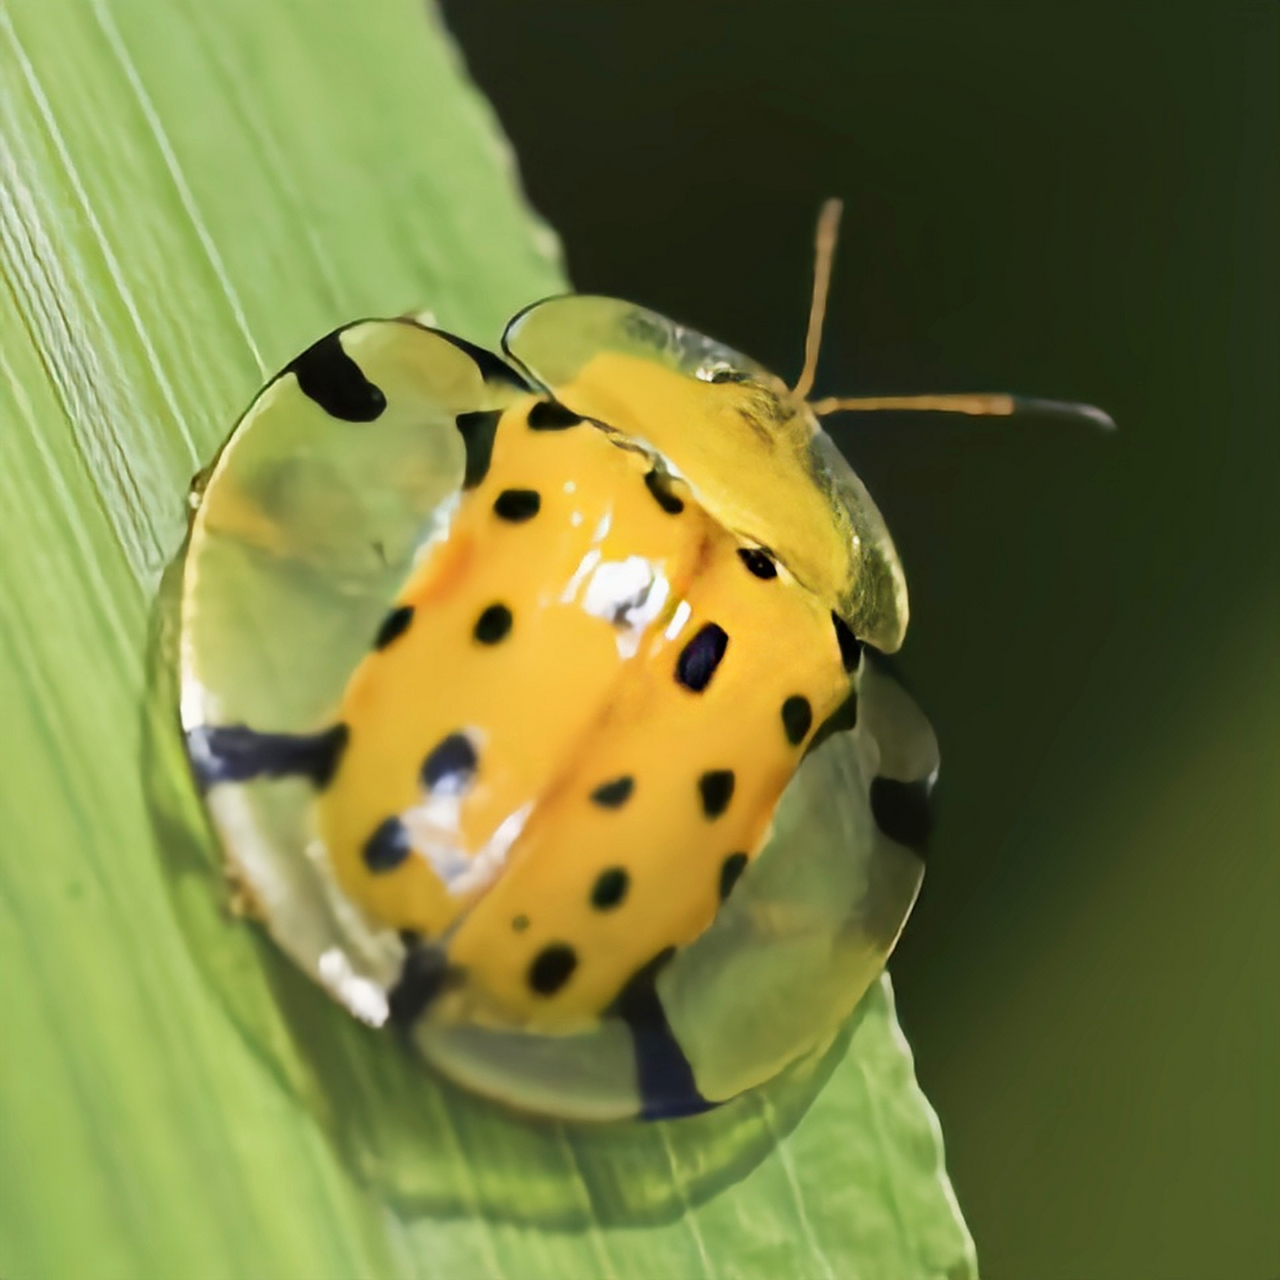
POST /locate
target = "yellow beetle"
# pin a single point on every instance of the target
(496, 670)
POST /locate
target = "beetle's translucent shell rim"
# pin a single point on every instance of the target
(554, 340)
(300, 537)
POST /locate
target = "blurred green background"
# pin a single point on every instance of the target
(1075, 206)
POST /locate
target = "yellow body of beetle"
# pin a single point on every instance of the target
(563, 741)
(538, 702)
(585, 702)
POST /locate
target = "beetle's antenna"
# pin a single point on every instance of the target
(824, 252)
(976, 405)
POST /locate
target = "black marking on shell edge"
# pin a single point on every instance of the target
(903, 811)
(551, 415)
(387, 848)
(425, 975)
(699, 659)
(492, 368)
(477, 430)
(236, 753)
(330, 377)
(664, 1076)
(394, 625)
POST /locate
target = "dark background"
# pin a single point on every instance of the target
(1082, 207)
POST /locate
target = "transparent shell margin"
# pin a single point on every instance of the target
(431, 1147)
(302, 533)
(553, 340)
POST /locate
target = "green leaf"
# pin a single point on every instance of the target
(189, 194)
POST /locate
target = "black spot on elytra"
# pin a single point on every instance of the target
(394, 625)
(330, 377)
(477, 430)
(659, 485)
(520, 923)
(730, 871)
(236, 753)
(610, 888)
(614, 794)
(903, 812)
(517, 505)
(493, 625)
(551, 415)
(841, 720)
(664, 1077)
(797, 718)
(452, 762)
(699, 659)
(426, 973)
(715, 787)
(850, 645)
(387, 848)
(552, 967)
(761, 563)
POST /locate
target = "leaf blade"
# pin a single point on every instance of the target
(187, 202)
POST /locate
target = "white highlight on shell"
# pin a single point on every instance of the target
(684, 611)
(628, 594)
(437, 528)
(618, 586)
(364, 998)
(433, 826)
(492, 856)
(585, 566)
(589, 561)
(195, 707)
